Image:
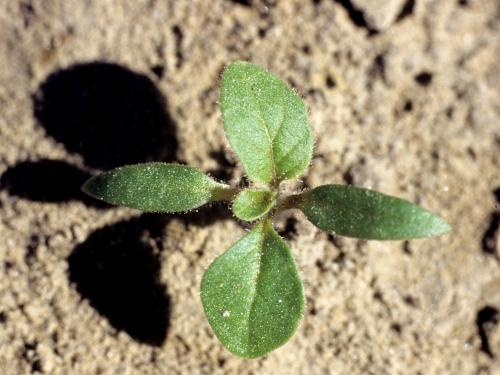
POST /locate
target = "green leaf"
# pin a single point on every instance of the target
(362, 213)
(157, 187)
(266, 123)
(252, 204)
(252, 295)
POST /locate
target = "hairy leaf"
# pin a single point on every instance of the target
(266, 123)
(252, 204)
(362, 213)
(252, 295)
(157, 187)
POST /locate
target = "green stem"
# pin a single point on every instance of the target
(291, 201)
(224, 193)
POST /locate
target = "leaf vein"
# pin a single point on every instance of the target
(291, 149)
(257, 277)
(266, 130)
(282, 122)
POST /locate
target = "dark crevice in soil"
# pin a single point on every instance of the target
(341, 258)
(263, 30)
(449, 112)
(221, 362)
(208, 98)
(406, 11)
(320, 265)
(379, 297)
(357, 16)
(30, 355)
(28, 12)
(186, 348)
(348, 176)
(424, 78)
(247, 3)
(337, 241)
(290, 229)
(410, 301)
(330, 82)
(32, 249)
(471, 153)
(491, 236)
(397, 328)
(408, 106)
(178, 36)
(378, 69)
(158, 70)
(486, 319)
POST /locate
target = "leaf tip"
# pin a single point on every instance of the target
(439, 227)
(91, 187)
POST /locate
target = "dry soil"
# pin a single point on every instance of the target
(404, 97)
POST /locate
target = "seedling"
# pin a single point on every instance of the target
(252, 294)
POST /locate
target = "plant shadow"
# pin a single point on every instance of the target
(110, 116)
(106, 113)
(117, 270)
(46, 180)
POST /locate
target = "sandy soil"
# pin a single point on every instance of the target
(404, 97)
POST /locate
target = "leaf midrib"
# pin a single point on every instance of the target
(256, 283)
(266, 127)
(190, 189)
(290, 150)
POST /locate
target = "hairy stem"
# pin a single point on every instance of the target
(224, 193)
(288, 202)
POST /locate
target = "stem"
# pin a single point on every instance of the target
(291, 201)
(224, 193)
